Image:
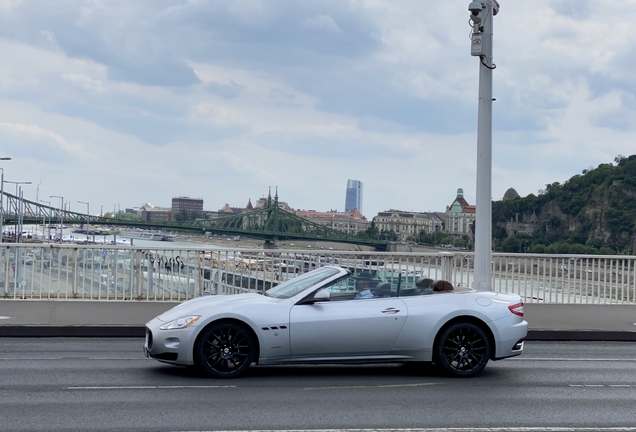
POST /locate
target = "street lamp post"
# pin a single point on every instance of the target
(481, 15)
(2, 197)
(18, 207)
(49, 224)
(88, 219)
(61, 214)
(1, 201)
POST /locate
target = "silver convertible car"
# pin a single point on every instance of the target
(332, 315)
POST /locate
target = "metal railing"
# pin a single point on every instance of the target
(95, 272)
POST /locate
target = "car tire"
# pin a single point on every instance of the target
(462, 350)
(225, 350)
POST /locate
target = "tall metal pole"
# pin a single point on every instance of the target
(1, 203)
(20, 215)
(482, 48)
(61, 215)
(2, 199)
(49, 225)
(88, 219)
(17, 214)
(18, 205)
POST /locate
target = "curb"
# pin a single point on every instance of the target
(73, 331)
(37, 331)
(581, 335)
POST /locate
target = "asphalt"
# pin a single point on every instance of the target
(82, 318)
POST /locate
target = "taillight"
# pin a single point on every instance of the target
(516, 309)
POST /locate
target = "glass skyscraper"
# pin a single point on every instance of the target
(353, 200)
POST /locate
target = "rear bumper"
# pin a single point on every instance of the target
(511, 340)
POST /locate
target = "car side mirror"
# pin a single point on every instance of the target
(322, 296)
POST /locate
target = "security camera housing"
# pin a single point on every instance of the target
(475, 8)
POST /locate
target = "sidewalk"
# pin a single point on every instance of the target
(68, 318)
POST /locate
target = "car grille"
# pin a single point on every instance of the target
(148, 339)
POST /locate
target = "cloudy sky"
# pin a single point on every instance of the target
(120, 103)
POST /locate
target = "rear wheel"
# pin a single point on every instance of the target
(225, 350)
(462, 350)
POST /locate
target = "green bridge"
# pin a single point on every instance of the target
(270, 223)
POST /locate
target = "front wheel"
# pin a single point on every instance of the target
(225, 350)
(462, 350)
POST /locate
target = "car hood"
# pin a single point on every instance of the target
(205, 305)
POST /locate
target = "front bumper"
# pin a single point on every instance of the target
(169, 346)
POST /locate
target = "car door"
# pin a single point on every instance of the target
(346, 328)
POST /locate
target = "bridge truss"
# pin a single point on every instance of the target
(270, 223)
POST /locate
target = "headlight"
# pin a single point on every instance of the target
(180, 323)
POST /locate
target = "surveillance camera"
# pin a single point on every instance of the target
(495, 7)
(475, 8)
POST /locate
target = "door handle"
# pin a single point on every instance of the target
(391, 310)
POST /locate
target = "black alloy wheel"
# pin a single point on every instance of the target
(225, 350)
(462, 350)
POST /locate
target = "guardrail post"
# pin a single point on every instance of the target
(5, 271)
(74, 272)
(138, 270)
(201, 256)
(448, 259)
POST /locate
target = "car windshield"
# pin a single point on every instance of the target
(298, 284)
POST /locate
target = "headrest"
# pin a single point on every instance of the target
(365, 274)
(384, 286)
(424, 282)
(442, 285)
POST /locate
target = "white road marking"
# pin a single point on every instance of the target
(371, 386)
(6, 317)
(73, 358)
(495, 429)
(148, 387)
(602, 385)
(569, 359)
(31, 358)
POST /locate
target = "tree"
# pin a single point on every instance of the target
(181, 216)
(122, 215)
(511, 244)
(537, 248)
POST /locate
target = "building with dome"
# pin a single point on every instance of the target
(460, 216)
(510, 194)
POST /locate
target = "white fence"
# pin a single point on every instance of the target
(51, 271)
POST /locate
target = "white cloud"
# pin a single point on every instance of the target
(46, 137)
(322, 22)
(219, 115)
(84, 82)
(149, 100)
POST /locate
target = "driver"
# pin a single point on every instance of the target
(364, 283)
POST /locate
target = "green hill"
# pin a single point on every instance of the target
(593, 212)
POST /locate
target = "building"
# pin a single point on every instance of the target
(263, 203)
(150, 213)
(527, 226)
(350, 223)
(353, 200)
(460, 216)
(407, 224)
(230, 211)
(186, 205)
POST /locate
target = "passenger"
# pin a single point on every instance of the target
(425, 285)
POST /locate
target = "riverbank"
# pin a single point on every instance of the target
(248, 243)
